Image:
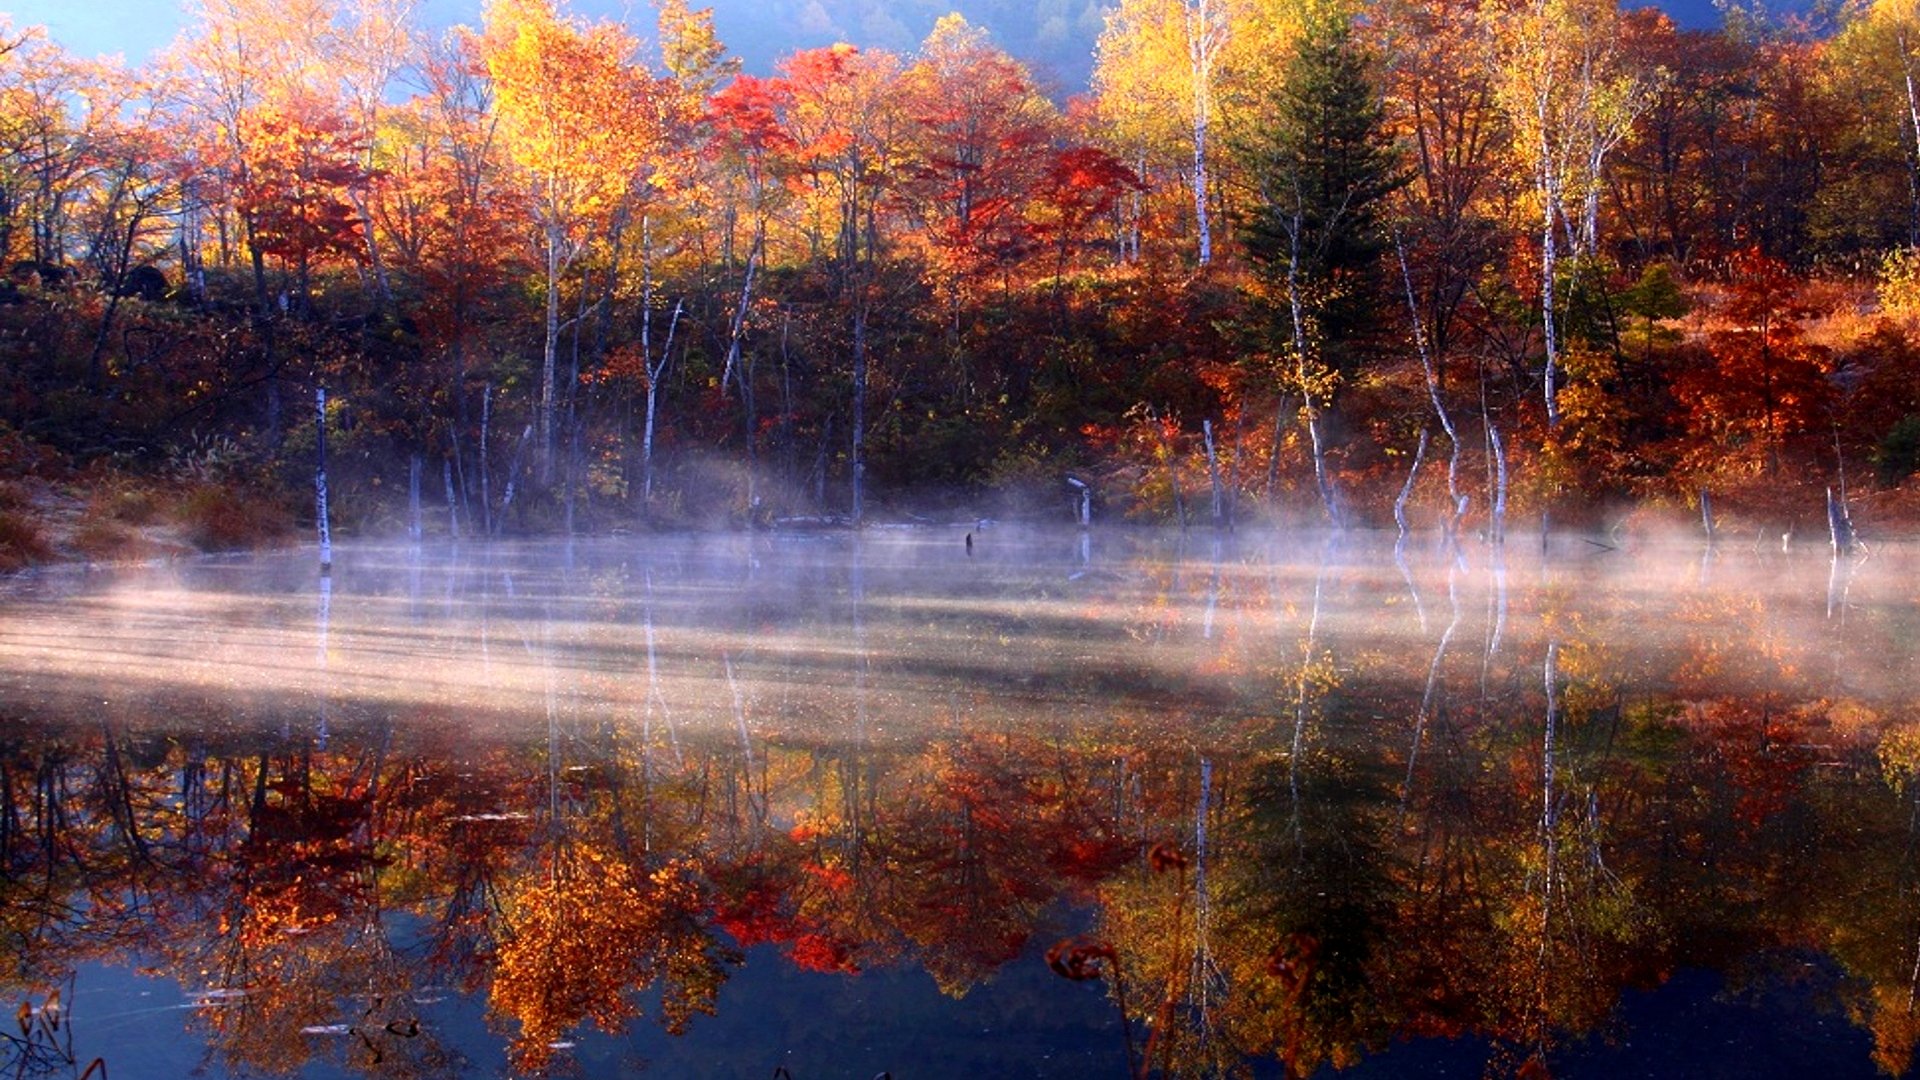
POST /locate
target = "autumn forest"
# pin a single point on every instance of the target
(1293, 260)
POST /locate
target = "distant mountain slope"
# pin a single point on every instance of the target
(1056, 37)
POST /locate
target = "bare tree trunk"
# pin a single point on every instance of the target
(1203, 44)
(1427, 700)
(1497, 526)
(549, 355)
(413, 498)
(1322, 477)
(1913, 110)
(1839, 524)
(1406, 489)
(1085, 500)
(1213, 475)
(320, 509)
(486, 464)
(453, 499)
(859, 408)
(1430, 367)
(513, 476)
(1549, 801)
(655, 371)
(1552, 187)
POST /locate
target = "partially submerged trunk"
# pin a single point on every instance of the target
(320, 509)
(1213, 475)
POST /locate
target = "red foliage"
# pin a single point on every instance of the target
(818, 952)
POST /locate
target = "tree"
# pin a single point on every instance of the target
(1155, 67)
(982, 136)
(576, 118)
(1767, 383)
(1571, 99)
(1322, 164)
(845, 125)
(301, 185)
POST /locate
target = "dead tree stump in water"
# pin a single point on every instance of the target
(1839, 525)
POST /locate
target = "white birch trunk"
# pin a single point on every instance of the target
(320, 509)
(1430, 367)
(1322, 478)
(1203, 44)
(1213, 474)
(1406, 489)
(549, 353)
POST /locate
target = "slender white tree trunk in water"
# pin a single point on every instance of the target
(1201, 974)
(320, 479)
(859, 409)
(550, 352)
(1839, 524)
(1084, 497)
(453, 499)
(1302, 699)
(1213, 475)
(1458, 502)
(413, 498)
(1406, 489)
(1322, 477)
(1498, 530)
(655, 372)
(1426, 699)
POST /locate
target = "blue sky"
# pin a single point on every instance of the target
(1054, 35)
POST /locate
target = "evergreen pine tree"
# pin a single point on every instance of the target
(1321, 164)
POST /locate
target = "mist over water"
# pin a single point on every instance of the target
(1061, 804)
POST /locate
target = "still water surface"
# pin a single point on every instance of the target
(1133, 805)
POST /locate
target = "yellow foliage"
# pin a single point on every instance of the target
(581, 938)
(1899, 284)
(573, 112)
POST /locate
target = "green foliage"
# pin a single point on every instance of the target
(1321, 165)
(1654, 297)
(1897, 455)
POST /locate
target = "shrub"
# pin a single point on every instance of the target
(1898, 453)
(21, 544)
(106, 540)
(219, 518)
(1899, 285)
(129, 506)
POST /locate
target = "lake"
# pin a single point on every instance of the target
(1118, 804)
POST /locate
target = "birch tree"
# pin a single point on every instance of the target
(571, 114)
(1570, 99)
(1154, 70)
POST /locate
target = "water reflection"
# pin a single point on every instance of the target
(1280, 803)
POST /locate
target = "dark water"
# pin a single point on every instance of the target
(1123, 806)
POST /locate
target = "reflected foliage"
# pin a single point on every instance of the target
(1281, 812)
